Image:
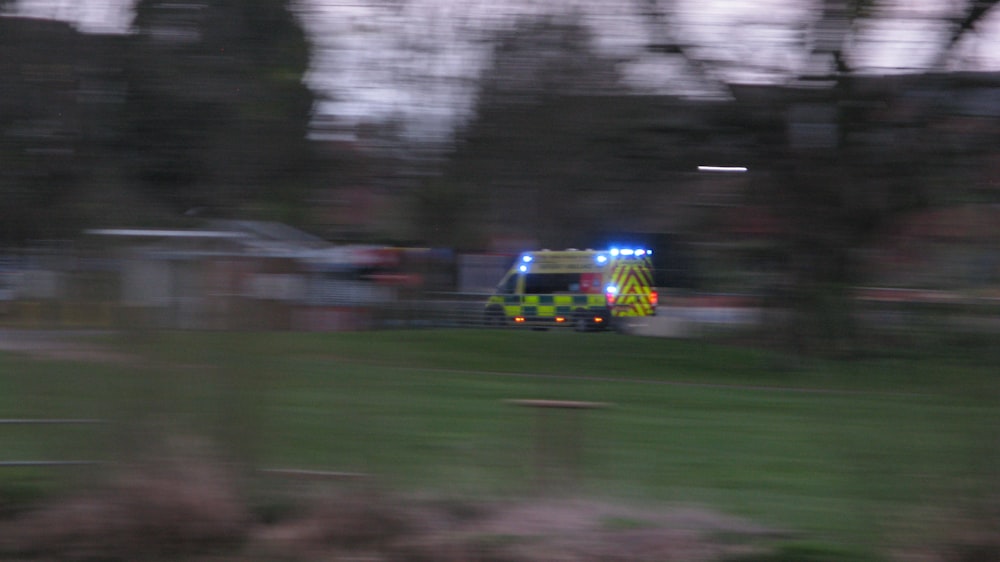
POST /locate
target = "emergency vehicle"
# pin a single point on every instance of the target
(586, 289)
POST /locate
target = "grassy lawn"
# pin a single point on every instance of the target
(848, 451)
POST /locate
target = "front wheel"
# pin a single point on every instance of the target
(495, 317)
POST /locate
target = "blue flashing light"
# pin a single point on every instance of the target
(526, 258)
(630, 252)
(611, 290)
(523, 268)
(601, 258)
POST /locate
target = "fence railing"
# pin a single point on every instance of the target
(449, 310)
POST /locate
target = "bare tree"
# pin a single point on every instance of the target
(839, 165)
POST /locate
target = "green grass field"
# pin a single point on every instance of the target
(848, 451)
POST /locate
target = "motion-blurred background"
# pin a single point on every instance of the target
(188, 187)
(778, 150)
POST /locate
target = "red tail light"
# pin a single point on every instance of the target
(654, 298)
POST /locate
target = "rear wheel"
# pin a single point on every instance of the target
(607, 323)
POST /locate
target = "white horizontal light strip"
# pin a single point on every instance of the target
(156, 233)
(727, 169)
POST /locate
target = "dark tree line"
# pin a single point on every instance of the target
(217, 113)
(202, 111)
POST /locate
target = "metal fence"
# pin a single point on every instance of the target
(694, 313)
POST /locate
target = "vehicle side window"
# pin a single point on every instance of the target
(548, 283)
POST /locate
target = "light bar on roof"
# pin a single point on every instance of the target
(637, 252)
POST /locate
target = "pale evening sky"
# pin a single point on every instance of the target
(419, 59)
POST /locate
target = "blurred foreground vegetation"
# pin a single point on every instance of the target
(864, 453)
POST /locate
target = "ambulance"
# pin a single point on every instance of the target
(586, 289)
